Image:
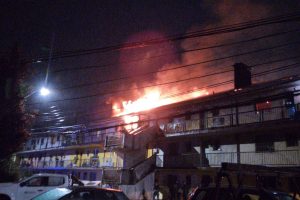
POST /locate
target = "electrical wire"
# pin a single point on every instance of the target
(221, 83)
(206, 32)
(137, 88)
(180, 52)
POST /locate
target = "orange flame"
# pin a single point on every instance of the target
(151, 99)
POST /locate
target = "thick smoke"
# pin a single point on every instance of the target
(222, 13)
(225, 14)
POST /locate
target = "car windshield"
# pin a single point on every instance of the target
(53, 194)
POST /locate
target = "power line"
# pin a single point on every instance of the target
(181, 66)
(137, 88)
(170, 116)
(216, 84)
(181, 52)
(206, 32)
(260, 64)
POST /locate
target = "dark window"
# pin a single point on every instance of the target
(188, 116)
(264, 146)
(173, 149)
(58, 138)
(188, 180)
(215, 113)
(172, 179)
(216, 147)
(188, 147)
(42, 141)
(291, 141)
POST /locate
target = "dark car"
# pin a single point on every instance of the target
(247, 193)
(82, 193)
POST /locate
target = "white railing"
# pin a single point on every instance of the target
(275, 158)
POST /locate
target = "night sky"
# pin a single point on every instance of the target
(81, 26)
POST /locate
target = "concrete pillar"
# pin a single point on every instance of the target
(237, 115)
(238, 150)
(203, 159)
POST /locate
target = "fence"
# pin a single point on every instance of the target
(276, 158)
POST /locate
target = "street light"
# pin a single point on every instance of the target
(44, 91)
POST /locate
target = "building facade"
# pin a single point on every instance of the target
(178, 143)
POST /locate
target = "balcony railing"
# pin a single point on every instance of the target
(275, 158)
(69, 140)
(78, 163)
(229, 120)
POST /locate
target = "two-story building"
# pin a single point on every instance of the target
(179, 143)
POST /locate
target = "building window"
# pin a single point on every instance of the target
(42, 141)
(188, 180)
(188, 116)
(58, 138)
(215, 113)
(188, 147)
(264, 146)
(173, 149)
(291, 141)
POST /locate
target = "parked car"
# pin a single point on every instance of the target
(35, 185)
(245, 193)
(82, 193)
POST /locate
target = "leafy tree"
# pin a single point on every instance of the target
(13, 119)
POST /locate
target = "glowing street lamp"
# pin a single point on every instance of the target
(44, 91)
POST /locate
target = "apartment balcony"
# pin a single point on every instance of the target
(286, 158)
(132, 140)
(66, 143)
(68, 164)
(249, 121)
(276, 158)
